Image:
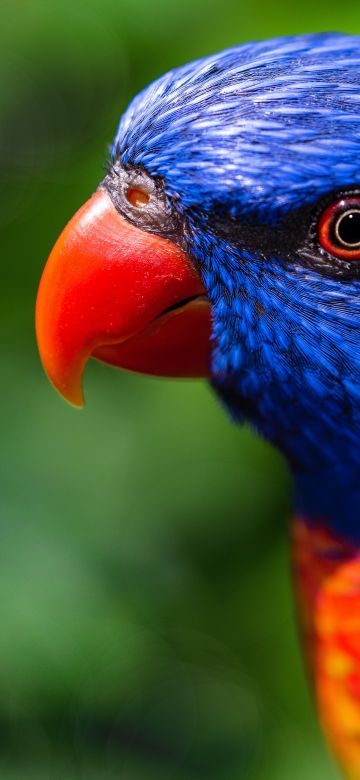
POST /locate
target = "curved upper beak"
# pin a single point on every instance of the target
(122, 295)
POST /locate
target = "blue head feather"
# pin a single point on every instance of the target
(246, 143)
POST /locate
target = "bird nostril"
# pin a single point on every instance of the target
(137, 197)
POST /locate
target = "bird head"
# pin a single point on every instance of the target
(224, 241)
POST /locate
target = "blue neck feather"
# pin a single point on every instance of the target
(290, 364)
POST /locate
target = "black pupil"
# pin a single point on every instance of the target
(348, 228)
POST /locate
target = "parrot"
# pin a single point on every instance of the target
(223, 243)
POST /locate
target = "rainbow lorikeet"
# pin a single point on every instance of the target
(224, 242)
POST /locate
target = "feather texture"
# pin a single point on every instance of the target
(327, 580)
(247, 128)
(249, 146)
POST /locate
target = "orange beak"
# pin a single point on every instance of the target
(125, 296)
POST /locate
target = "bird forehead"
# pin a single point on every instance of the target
(271, 121)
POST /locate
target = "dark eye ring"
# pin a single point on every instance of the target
(339, 228)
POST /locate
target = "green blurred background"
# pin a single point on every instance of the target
(147, 627)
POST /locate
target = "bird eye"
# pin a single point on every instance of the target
(339, 228)
(137, 197)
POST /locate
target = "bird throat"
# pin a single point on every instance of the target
(288, 363)
(323, 456)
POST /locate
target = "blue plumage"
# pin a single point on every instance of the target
(248, 143)
(246, 129)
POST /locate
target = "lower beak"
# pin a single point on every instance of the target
(127, 297)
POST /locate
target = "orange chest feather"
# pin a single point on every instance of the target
(327, 574)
